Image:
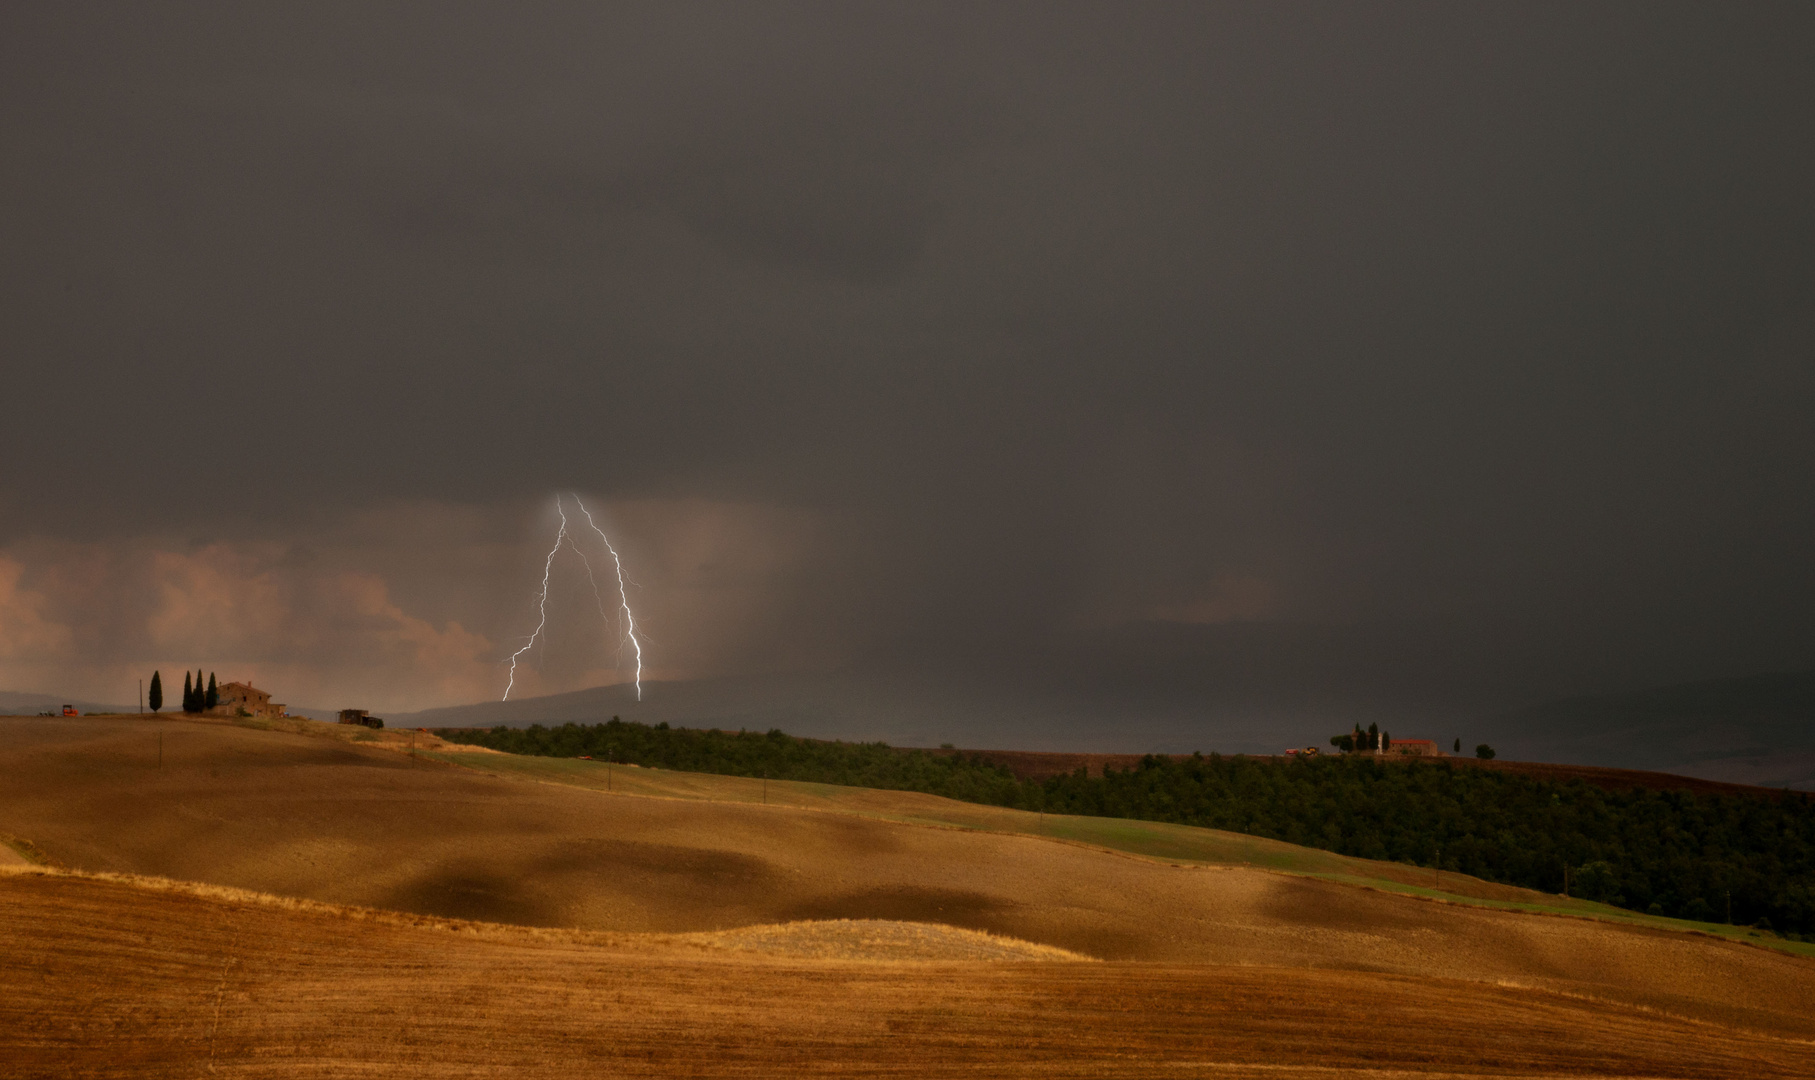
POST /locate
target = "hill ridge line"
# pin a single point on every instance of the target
(704, 942)
(1614, 916)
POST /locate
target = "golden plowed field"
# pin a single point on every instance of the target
(1210, 970)
(108, 979)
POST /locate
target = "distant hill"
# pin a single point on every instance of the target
(14, 702)
(20, 703)
(900, 709)
(817, 706)
(326, 822)
(799, 705)
(1754, 730)
(1160, 687)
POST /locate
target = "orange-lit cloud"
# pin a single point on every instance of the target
(26, 635)
(318, 636)
(105, 617)
(412, 606)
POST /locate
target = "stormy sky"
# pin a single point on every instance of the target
(1393, 356)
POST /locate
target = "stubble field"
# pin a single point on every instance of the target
(649, 935)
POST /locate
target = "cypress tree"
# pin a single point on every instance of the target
(1373, 736)
(214, 693)
(188, 694)
(155, 698)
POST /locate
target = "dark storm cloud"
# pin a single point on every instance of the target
(1492, 322)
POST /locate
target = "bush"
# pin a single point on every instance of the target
(1484, 752)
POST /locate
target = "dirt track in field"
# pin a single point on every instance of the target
(346, 824)
(106, 979)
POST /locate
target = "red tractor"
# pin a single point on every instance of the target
(70, 710)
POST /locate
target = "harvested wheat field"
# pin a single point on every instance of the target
(651, 936)
(111, 978)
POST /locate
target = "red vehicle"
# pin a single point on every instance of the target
(70, 710)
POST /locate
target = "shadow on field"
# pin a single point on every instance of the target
(472, 891)
(683, 875)
(908, 903)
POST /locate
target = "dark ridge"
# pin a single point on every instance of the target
(1037, 765)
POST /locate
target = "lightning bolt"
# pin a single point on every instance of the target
(541, 604)
(630, 622)
(629, 627)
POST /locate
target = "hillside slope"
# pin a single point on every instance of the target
(112, 979)
(346, 823)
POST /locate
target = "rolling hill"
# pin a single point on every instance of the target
(126, 978)
(14, 701)
(456, 911)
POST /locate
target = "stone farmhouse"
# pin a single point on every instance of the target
(236, 697)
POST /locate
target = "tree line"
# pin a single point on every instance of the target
(195, 698)
(775, 755)
(1747, 859)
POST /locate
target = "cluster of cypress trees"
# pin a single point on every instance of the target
(1362, 741)
(196, 697)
